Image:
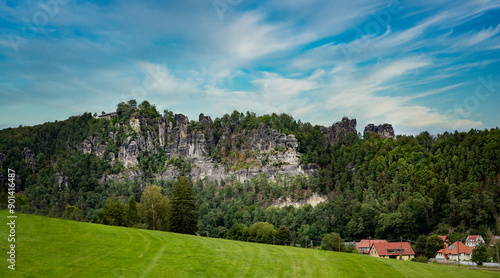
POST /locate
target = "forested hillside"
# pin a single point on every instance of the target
(376, 186)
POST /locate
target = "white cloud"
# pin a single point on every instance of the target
(364, 97)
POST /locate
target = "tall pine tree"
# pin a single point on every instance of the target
(133, 212)
(183, 215)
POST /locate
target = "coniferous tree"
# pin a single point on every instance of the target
(183, 215)
(284, 236)
(132, 212)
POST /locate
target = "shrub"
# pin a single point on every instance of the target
(420, 259)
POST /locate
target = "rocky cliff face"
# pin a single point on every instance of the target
(29, 159)
(255, 152)
(384, 130)
(338, 129)
(314, 200)
(269, 152)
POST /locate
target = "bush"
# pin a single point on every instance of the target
(420, 259)
(238, 232)
(262, 232)
(331, 242)
(114, 214)
(72, 213)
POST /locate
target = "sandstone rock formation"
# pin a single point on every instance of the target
(277, 151)
(338, 129)
(263, 151)
(384, 130)
(29, 159)
(314, 200)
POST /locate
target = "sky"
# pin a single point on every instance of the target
(427, 65)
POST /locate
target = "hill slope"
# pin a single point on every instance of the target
(49, 247)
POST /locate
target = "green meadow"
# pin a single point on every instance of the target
(47, 247)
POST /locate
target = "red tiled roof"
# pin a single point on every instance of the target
(393, 248)
(455, 247)
(444, 238)
(473, 238)
(365, 243)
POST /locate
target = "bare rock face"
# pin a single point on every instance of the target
(384, 130)
(313, 200)
(270, 153)
(180, 129)
(135, 124)
(92, 145)
(338, 129)
(128, 175)
(129, 152)
(205, 120)
(61, 180)
(29, 159)
(164, 129)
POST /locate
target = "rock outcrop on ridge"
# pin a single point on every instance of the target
(384, 130)
(338, 129)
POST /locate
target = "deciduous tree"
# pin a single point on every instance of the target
(153, 207)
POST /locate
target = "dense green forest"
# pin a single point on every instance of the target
(383, 188)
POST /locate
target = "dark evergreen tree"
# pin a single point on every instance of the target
(133, 216)
(284, 236)
(183, 215)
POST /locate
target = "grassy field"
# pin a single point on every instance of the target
(47, 247)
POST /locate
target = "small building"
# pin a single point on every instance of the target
(454, 251)
(363, 246)
(473, 240)
(108, 115)
(494, 240)
(446, 240)
(392, 250)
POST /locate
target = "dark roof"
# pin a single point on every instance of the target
(108, 115)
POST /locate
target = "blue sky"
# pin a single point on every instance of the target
(420, 65)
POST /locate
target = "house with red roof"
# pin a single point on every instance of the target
(455, 250)
(392, 250)
(364, 245)
(446, 240)
(473, 240)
